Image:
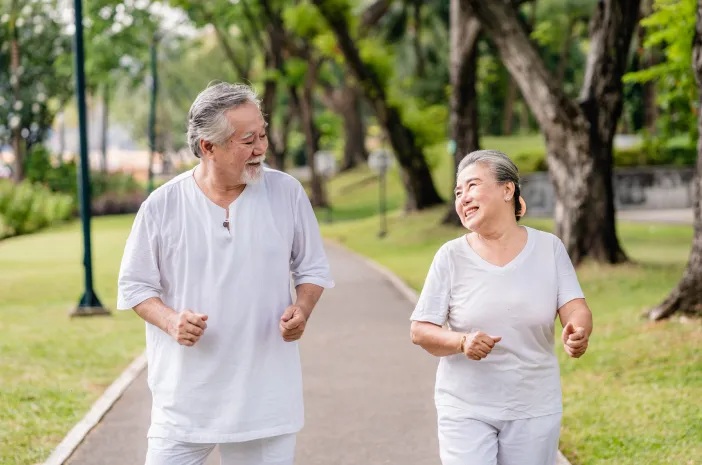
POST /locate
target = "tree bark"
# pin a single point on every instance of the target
(464, 33)
(416, 176)
(647, 60)
(105, 125)
(508, 112)
(17, 145)
(579, 135)
(346, 102)
(318, 196)
(686, 298)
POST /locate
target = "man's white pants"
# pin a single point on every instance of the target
(471, 441)
(277, 450)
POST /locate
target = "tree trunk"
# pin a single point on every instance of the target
(345, 101)
(508, 112)
(564, 53)
(306, 105)
(464, 33)
(17, 145)
(416, 176)
(417, 39)
(579, 136)
(686, 298)
(647, 60)
(105, 125)
(277, 144)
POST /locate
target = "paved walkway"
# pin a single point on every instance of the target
(368, 390)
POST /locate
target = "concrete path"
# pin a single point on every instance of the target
(368, 390)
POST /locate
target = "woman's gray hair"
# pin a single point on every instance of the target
(207, 117)
(503, 169)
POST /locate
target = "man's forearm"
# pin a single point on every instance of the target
(307, 297)
(157, 313)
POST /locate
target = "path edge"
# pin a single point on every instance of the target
(409, 293)
(100, 407)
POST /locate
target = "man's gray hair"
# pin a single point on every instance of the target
(207, 118)
(503, 169)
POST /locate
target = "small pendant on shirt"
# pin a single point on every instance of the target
(226, 223)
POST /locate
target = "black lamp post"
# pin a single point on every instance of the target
(89, 303)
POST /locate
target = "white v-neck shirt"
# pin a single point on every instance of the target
(240, 381)
(520, 378)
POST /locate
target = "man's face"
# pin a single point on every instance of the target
(242, 154)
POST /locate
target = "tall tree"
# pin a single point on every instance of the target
(579, 134)
(465, 30)
(34, 74)
(674, 20)
(416, 176)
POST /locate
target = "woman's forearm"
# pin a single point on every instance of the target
(435, 339)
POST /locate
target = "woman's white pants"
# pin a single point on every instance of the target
(471, 441)
(277, 450)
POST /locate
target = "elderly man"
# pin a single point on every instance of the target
(208, 266)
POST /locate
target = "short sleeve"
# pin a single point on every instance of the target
(308, 261)
(433, 303)
(568, 285)
(139, 274)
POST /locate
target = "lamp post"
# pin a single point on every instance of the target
(89, 303)
(380, 161)
(325, 165)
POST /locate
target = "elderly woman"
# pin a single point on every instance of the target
(487, 309)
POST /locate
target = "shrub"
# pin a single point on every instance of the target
(27, 207)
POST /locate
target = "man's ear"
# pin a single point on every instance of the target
(206, 147)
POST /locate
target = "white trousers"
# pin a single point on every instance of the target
(471, 441)
(277, 450)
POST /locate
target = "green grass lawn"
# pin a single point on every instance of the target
(52, 367)
(635, 397)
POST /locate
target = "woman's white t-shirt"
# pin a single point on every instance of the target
(520, 378)
(241, 380)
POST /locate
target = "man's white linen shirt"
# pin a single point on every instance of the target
(241, 380)
(520, 378)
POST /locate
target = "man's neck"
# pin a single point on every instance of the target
(220, 189)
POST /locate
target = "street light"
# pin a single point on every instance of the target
(325, 165)
(89, 303)
(380, 161)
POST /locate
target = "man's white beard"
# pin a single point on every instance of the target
(252, 175)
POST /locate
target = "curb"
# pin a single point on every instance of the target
(411, 295)
(68, 445)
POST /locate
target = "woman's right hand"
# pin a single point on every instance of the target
(478, 345)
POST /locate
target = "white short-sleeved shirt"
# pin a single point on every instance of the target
(241, 381)
(520, 378)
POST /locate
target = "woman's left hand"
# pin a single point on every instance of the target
(574, 340)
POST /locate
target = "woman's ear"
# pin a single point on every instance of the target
(509, 191)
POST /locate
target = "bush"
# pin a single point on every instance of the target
(646, 155)
(27, 207)
(111, 193)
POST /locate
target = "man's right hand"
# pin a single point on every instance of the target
(187, 327)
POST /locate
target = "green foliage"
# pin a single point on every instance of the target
(43, 78)
(376, 55)
(670, 28)
(304, 20)
(27, 207)
(295, 70)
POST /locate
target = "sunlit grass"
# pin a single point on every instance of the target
(54, 367)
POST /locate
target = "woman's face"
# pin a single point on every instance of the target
(480, 198)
